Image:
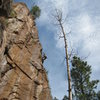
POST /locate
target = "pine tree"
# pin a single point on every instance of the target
(55, 98)
(80, 73)
(98, 95)
(65, 98)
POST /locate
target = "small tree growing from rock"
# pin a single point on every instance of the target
(35, 11)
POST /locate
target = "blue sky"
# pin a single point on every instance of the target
(83, 20)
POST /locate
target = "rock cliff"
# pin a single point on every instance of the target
(22, 75)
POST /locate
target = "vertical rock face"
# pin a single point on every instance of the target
(22, 76)
(5, 7)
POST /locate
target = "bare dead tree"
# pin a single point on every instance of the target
(59, 21)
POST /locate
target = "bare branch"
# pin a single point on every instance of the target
(83, 58)
(58, 17)
(61, 37)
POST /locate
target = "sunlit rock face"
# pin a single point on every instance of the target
(22, 76)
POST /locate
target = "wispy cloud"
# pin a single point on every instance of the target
(86, 35)
(83, 21)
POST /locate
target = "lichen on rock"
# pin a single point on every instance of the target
(22, 75)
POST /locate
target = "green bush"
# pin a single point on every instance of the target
(35, 11)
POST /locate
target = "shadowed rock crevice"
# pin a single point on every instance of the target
(22, 75)
(3, 99)
(5, 7)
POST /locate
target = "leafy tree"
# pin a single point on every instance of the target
(35, 11)
(80, 73)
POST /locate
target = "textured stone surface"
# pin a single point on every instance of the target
(22, 76)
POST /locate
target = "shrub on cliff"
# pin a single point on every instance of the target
(35, 11)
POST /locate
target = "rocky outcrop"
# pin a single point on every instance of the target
(22, 75)
(5, 7)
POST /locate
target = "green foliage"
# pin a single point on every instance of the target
(65, 98)
(80, 73)
(35, 11)
(98, 95)
(55, 98)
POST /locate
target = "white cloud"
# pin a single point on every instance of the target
(82, 30)
(86, 36)
(60, 41)
(85, 28)
(85, 25)
(48, 8)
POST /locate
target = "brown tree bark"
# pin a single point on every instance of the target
(58, 17)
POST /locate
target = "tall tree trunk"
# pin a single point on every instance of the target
(67, 61)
